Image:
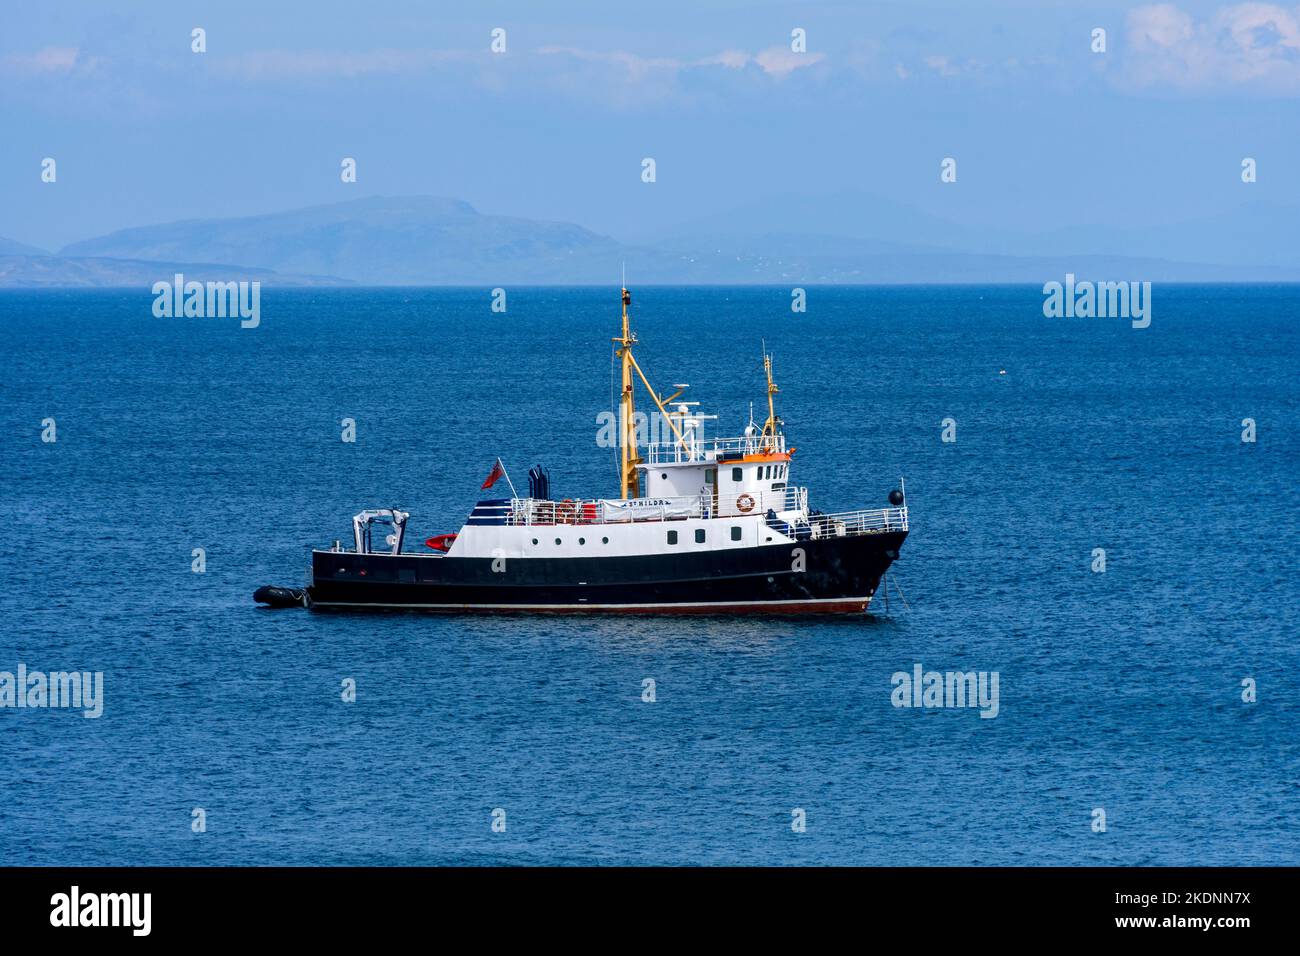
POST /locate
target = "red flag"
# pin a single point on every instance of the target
(497, 472)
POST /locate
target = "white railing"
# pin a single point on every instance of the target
(532, 511)
(790, 504)
(844, 523)
(672, 452)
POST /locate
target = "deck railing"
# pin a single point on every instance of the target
(712, 449)
(532, 511)
(792, 503)
(844, 523)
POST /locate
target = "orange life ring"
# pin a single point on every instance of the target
(565, 511)
(745, 502)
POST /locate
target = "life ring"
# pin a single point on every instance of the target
(745, 502)
(442, 542)
(565, 511)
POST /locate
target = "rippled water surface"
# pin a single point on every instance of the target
(1119, 690)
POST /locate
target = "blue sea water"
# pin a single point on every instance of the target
(1119, 690)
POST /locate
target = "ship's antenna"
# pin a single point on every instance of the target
(772, 425)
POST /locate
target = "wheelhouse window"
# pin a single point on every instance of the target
(672, 537)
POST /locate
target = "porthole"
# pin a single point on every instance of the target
(582, 541)
(557, 540)
(534, 540)
(664, 476)
(604, 540)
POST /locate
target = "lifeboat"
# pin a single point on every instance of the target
(441, 542)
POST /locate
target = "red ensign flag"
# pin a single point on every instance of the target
(497, 472)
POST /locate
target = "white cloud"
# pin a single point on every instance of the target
(1158, 27)
(265, 64)
(781, 61)
(733, 59)
(628, 70)
(634, 65)
(774, 61)
(50, 60)
(1254, 45)
(941, 65)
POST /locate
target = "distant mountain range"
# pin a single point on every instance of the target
(1257, 233)
(849, 238)
(380, 241)
(45, 271)
(10, 248)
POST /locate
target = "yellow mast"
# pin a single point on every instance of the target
(772, 424)
(629, 479)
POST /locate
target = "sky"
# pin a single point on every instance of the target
(1045, 132)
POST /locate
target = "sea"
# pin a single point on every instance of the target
(1102, 516)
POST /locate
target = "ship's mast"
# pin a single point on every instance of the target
(629, 479)
(771, 427)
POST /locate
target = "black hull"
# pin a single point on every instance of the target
(839, 575)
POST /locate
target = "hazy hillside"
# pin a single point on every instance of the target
(57, 272)
(383, 241)
(852, 238)
(9, 247)
(1257, 233)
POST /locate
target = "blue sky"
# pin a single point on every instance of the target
(1045, 132)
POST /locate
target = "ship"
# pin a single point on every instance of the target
(700, 526)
